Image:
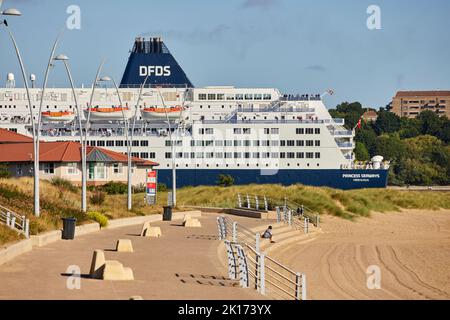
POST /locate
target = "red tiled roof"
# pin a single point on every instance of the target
(436, 93)
(58, 152)
(7, 136)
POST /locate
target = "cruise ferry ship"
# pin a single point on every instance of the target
(255, 135)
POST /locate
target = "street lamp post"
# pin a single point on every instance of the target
(15, 12)
(65, 60)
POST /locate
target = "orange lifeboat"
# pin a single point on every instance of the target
(156, 113)
(58, 116)
(107, 114)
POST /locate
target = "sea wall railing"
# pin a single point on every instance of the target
(253, 268)
(16, 222)
(264, 203)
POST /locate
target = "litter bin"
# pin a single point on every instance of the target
(69, 228)
(167, 216)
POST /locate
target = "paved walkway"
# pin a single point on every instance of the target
(183, 264)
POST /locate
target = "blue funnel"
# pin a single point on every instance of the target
(152, 57)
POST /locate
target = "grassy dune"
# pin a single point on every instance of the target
(8, 236)
(346, 204)
(60, 201)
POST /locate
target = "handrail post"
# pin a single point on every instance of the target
(13, 222)
(278, 214)
(8, 218)
(249, 206)
(298, 284)
(239, 201)
(290, 218)
(304, 286)
(306, 222)
(257, 242)
(256, 202)
(318, 221)
(235, 237)
(219, 227)
(262, 276)
(27, 228)
(23, 223)
(266, 204)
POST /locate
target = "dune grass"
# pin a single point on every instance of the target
(8, 235)
(346, 204)
(59, 200)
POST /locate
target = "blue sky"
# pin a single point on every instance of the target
(304, 46)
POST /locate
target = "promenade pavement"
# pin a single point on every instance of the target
(182, 264)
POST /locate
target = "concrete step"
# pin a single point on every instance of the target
(279, 237)
(262, 228)
(300, 239)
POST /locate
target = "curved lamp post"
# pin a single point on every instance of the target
(65, 60)
(129, 143)
(15, 12)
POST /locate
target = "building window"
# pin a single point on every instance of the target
(309, 155)
(100, 143)
(317, 155)
(317, 131)
(49, 168)
(300, 131)
(72, 168)
(168, 155)
(144, 143)
(202, 96)
(309, 131)
(19, 170)
(309, 143)
(300, 155)
(144, 155)
(317, 143)
(275, 131)
(100, 171)
(110, 143)
(237, 130)
(117, 168)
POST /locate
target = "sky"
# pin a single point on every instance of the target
(297, 46)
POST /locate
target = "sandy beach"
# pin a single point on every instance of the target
(411, 248)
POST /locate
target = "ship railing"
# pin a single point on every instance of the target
(342, 133)
(15, 221)
(282, 110)
(346, 145)
(275, 121)
(269, 277)
(301, 97)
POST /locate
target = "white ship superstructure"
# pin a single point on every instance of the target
(253, 134)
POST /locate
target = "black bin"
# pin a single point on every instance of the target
(69, 228)
(167, 215)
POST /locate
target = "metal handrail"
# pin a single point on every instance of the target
(15, 221)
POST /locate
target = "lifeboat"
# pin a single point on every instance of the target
(59, 116)
(155, 113)
(108, 114)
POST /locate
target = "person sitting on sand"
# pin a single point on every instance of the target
(268, 234)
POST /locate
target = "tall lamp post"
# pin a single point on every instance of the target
(83, 142)
(15, 12)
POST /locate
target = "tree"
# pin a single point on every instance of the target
(390, 147)
(351, 112)
(409, 128)
(430, 122)
(225, 180)
(387, 122)
(361, 152)
(367, 136)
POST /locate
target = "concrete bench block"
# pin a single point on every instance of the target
(192, 223)
(124, 245)
(145, 226)
(186, 218)
(136, 298)
(114, 271)
(97, 264)
(153, 232)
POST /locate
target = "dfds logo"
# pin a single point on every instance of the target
(157, 71)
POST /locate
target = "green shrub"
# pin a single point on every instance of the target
(140, 188)
(98, 198)
(225, 180)
(4, 171)
(63, 184)
(98, 217)
(115, 188)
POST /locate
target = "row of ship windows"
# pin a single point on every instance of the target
(246, 165)
(230, 97)
(209, 131)
(248, 143)
(211, 143)
(242, 155)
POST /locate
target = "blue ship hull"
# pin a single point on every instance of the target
(338, 179)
